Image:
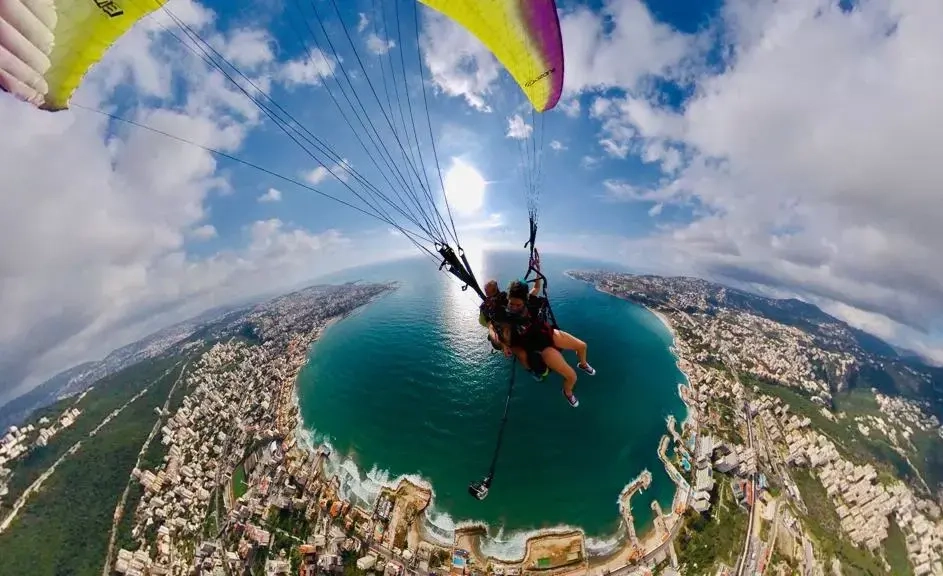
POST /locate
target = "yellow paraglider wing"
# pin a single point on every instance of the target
(47, 46)
(524, 35)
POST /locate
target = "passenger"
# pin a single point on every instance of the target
(492, 314)
(530, 332)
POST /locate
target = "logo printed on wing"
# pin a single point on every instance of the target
(542, 76)
(109, 7)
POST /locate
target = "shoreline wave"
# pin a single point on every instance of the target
(439, 526)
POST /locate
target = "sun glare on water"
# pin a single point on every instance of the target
(464, 188)
(465, 191)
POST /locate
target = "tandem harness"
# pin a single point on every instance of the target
(533, 266)
(478, 489)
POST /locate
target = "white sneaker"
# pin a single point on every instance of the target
(571, 398)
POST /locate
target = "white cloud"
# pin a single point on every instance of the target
(204, 232)
(570, 106)
(362, 22)
(271, 195)
(317, 175)
(590, 162)
(633, 125)
(459, 63)
(557, 145)
(518, 129)
(492, 221)
(600, 107)
(379, 46)
(656, 209)
(283, 245)
(621, 191)
(618, 47)
(307, 71)
(876, 324)
(340, 171)
(615, 148)
(96, 253)
(812, 155)
(247, 48)
(189, 12)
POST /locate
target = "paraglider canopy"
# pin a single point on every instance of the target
(47, 46)
(524, 35)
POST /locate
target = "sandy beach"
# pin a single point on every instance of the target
(664, 320)
(661, 316)
(682, 365)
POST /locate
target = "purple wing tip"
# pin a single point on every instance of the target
(556, 89)
(545, 25)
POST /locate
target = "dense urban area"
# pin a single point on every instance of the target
(808, 448)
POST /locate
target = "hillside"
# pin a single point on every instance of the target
(217, 323)
(870, 362)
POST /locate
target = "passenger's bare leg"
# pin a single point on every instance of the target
(567, 341)
(556, 362)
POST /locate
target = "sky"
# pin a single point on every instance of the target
(782, 147)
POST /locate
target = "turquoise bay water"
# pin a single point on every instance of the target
(408, 385)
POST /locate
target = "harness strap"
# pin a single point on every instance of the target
(546, 311)
(458, 266)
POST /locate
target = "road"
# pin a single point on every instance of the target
(222, 525)
(780, 468)
(746, 557)
(37, 484)
(21, 501)
(119, 509)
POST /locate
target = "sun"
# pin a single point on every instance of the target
(464, 188)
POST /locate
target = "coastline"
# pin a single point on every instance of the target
(666, 322)
(612, 552)
(684, 388)
(297, 428)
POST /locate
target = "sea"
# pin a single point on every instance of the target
(408, 386)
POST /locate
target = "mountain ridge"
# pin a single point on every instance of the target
(215, 323)
(790, 311)
(878, 364)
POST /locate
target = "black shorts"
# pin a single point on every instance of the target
(535, 361)
(539, 338)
